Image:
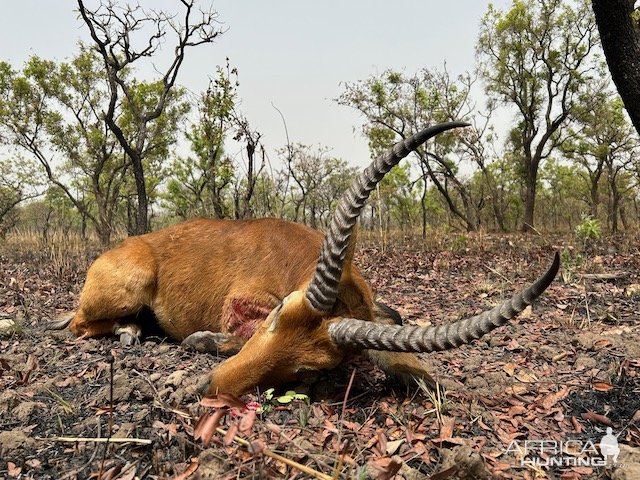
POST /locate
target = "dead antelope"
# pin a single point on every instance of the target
(282, 297)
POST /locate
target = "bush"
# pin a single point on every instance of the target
(588, 230)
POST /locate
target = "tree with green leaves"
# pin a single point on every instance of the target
(396, 198)
(318, 180)
(561, 196)
(53, 111)
(19, 181)
(210, 182)
(536, 57)
(49, 111)
(395, 106)
(603, 143)
(116, 32)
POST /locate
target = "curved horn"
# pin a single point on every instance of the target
(350, 332)
(323, 289)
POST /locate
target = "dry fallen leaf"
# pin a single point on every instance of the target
(602, 343)
(550, 400)
(516, 389)
(189, 471)
(509, 368)
(596, 417)
(447, 427)
(602, 386)
(393, 446)
(526, 377)
(13, 470)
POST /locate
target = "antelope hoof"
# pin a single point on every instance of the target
(210, 342)
(129, 334)
(203, 386)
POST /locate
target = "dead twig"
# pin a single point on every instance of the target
(139, 441)
(604, 276)
(275, 456)
(111, 360)
(76, 472)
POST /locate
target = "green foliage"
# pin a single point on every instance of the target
(458, 242)
(571, 263)
(317, 180)
(271, 401)
(588, 230)
(54, 112)
(397, 196)
(20, 180)
(395, 106)
(200, 184)
(561, 193)
(531, 58)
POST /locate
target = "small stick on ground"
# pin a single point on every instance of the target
(139, 441)
(275, 456)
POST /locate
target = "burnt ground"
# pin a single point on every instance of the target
(563, 371)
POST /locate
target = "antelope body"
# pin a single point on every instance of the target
(280, 297)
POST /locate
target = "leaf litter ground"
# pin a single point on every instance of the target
(565, 370)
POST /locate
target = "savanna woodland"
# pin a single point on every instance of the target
(92, 153)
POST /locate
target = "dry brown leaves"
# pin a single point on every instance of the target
(566, 369)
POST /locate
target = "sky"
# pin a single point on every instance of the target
(294, 54)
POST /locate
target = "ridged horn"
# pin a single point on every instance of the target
(323, 289)
(355, 333)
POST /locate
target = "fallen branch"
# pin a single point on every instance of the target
(605, 276)
(139, 441)
(275, 456)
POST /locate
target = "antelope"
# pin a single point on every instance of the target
(278, 298)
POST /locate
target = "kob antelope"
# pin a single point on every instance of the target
(282, 297)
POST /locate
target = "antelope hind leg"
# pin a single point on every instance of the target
(119, 285)
(211, 342)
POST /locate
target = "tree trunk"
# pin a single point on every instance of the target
(251, 178)
(444, 191)
(614, 212)
(498, 213)
(621, 43)
(623, 217)
(423, 210)
(531, 168)
(423, 201)
(595, 200)
(615, 201)
(142, 207)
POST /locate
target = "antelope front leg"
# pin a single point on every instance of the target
(210, 342)
(130, 333)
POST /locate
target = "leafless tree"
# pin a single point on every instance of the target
(115, 30)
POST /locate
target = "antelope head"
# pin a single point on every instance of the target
(314, 327)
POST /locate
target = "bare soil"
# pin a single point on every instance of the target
(565, 370)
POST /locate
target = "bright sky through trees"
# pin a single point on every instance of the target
(291, 53)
